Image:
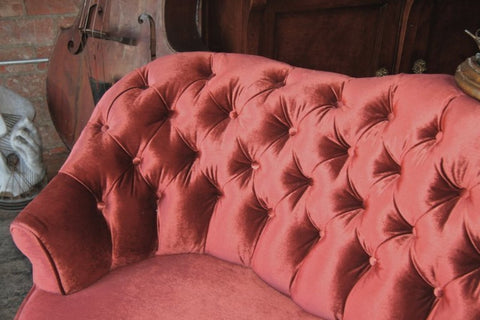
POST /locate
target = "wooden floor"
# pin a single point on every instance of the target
(15, 270)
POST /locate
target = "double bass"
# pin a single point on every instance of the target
(107, 40)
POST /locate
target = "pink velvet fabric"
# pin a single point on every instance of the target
(169, 287)
(357, 198)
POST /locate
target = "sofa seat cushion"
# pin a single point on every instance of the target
(188, 286)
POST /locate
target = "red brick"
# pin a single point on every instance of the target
(44, 52)
(17, 53)
(11, 8)
(45, 31)
(57, 150)
(42, 115)
(66, 21)
(78, 3)
(50, 137)
(18, 68)
(53, 160)
(38, 31)
(27, 52)
(42, 66)
(36, 7)
(16, 32)
(30, 86)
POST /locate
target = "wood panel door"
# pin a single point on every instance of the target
(435, 34)
(352, 37)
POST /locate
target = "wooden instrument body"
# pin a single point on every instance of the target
(108, 40)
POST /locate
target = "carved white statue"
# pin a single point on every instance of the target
(21, 166)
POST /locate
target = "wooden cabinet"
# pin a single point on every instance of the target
(355, 37)
(435, 33)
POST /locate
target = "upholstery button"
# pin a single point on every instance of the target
(351, 151)
(321, 233)
(439, 136)
(105, 128)
(390, 116)
(438, 292)
(372, 261)
(255, 165)
(414, 232)
(292, 131)
(270, 213)
(170, 113)
(100, 205)
(136, 161)
(233, 114)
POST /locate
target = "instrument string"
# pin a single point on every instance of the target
(104, 77)
(85, 13)
(95, 7)
(87, 50)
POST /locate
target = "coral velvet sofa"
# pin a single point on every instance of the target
(226, 186)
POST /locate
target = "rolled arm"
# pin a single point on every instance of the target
(64, 236)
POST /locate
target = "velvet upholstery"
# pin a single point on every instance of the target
(192, 287)
(358, 198)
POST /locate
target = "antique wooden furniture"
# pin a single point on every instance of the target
(200, 174)
(355, 37)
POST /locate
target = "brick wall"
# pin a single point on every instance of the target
(28, 30)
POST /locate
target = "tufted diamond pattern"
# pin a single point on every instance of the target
(359, 198)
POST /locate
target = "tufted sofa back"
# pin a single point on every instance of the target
(359, 198)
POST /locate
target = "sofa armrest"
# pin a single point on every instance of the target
(64, 236)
